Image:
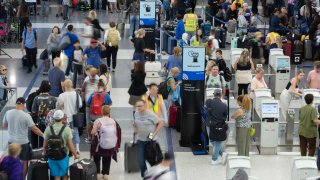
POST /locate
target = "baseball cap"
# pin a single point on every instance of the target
(93, 41)
(28, 24)
(217, 92)
(20, 100)
(58, 115)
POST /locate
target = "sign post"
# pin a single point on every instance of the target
(193, 86)
(148, 22)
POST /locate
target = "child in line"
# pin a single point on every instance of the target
(11, 164)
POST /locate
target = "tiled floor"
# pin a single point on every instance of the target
(188, 166)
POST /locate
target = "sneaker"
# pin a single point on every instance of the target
(112, 70)
(57, 15)
(216, 162)
(87, 140)
(61, 14)
(224, 158)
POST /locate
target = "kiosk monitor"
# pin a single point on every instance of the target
(269, 108)
(283, 62)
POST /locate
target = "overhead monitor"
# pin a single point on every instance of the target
(270, 108)
(283, 62)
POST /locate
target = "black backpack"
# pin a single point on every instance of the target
(163, 90)
(30, 99)
(56, 150)
(227, 74)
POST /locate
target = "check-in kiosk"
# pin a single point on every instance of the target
(303, 168)
(237, 162)
(259, 95)
(270, 113)
(281, 78)
(273, 54)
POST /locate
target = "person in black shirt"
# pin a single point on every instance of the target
(140, 47)
(220, 62)
(256, 50)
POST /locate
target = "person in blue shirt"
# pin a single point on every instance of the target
(29, 44)
(175, 60)
(101, 89)
(180, 27)
(92, 53)
(275, 21)
(68, 51)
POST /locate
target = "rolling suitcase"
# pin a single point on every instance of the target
(38, 169)
(178, 118)
(165, 38)
(172, 42)
(131, 163)
(173, 115)
(206, 28)
(234, 42)
(221, 36)
(287, 48)
(307, 49)
(152, 70)
(85, 169)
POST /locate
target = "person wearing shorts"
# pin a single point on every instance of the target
(59, 168)
(18, 123)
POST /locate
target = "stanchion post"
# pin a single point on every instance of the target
(161, 45)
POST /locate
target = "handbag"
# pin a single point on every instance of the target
(243, 77)
(218, 132)
(53, 47)
(78, 119)
(153, 153)
(65, 42)
(44, 55)
(252, 131)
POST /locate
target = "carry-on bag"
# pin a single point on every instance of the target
(85, 169)
(206, 28)
(178, 118)
(221, 35)
(153, 153)
(173, 115)
(234, 42)
(172, 42)
(152, 69)
(38, 169)
(287, 48)
(165, 38)
(131, 163)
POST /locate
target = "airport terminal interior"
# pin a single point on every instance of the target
(274, 148)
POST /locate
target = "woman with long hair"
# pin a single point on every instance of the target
(243, 124)
(196, 40)
(175, 60)
(289, 92)
(53, 42)
(105, 75)
(23, 15)
(243, 64)
(137, 88)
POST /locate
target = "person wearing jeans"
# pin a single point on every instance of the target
(66, 6)
(134, 12)
(45, 7)
(217, 113)
(146, 125)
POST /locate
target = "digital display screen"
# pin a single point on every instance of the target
(283, 63)
(270, 108)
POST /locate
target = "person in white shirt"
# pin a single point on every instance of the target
(69, 98)
(105, 75)
(77, 63)
(215, 44)
(87, 33)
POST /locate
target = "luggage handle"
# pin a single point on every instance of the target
(85, 163)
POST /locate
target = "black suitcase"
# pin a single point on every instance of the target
(131, 163)
(178, 118)
(85, 169)
(165, 41)
(307, 49)
(221, 36)
(38, 169)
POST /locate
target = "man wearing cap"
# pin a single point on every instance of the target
(92, 53)
(18, 123)
(29, 43)
(313, 79)
(217, 113)
(59, 168)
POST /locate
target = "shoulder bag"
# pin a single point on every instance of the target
(218, 132)
(243, 77)
(78, 118)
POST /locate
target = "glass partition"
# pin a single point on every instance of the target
(6, 106)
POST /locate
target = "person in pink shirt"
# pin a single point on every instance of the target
(313, 79)
(258, 81)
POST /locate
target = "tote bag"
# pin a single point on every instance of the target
(243, 77)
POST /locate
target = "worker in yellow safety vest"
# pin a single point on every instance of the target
(155, 102)
(190, 22)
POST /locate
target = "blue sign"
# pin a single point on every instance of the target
(193, 63)
(147, 13)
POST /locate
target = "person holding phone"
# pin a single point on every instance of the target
(146, 127)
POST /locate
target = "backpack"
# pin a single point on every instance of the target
(30, 99)
(25, 35)
(108, 135)
(227, 75)
(96, 33)
(56, 150)
(163, 90)
(96, 103)
(113, 38)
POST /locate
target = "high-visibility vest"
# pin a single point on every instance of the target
(195, 42)
(156, 107)
(191, 23)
